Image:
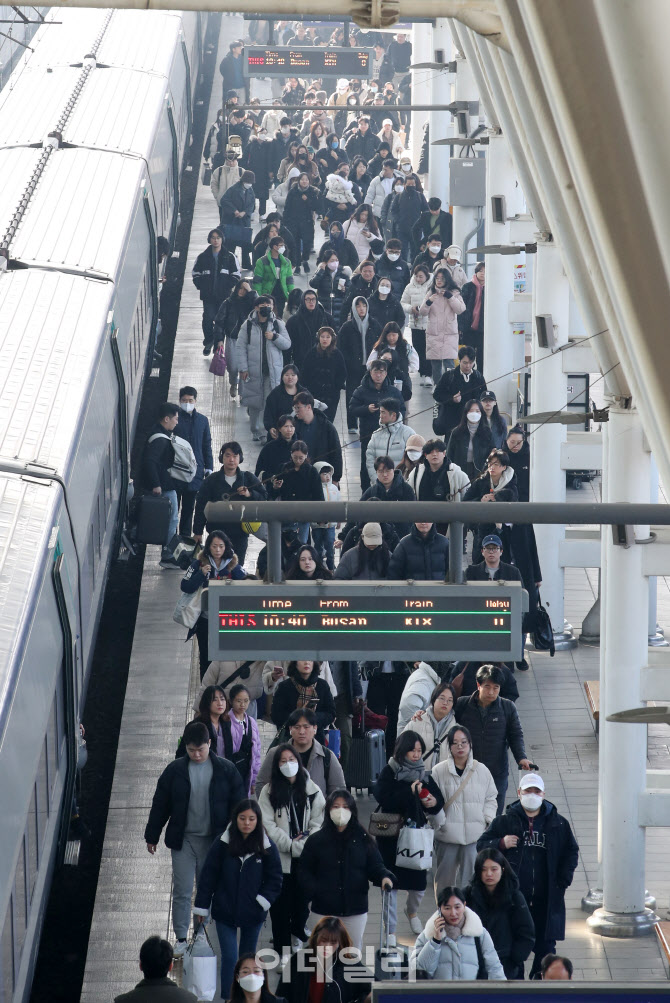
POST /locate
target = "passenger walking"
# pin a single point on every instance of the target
(518, 452)
(469, 807)
(195, 797)
(494, 728)
(273, 274)
(392, 339)
(453, 941)
(470, 443)
(242, 744)
(360, 229)
(250, 981)
(390, 437)
(319, 970)
(343, 248)
(224, 177)
(302, 202)
(435, 478)
(498, 484)
(384, 306)
(298, 481)
(452, 262)
(432, 716)
(239, 881)
(260, 344)
(540, 846)
(456, 388)
(422, 555)
(302, 724)
(331, 282)
(323, 533)
(324, 372)
(211, 708)
(357, 335)
(393, 267)
(237, 206)
(292, 806)
(280, 399)
(229, 318)
(157, 458)
(303, 688)
(389, 485)
(368, 559)
(405, 789)
(494, 895)
(304, 324)
(413, 296)
(321, 436)
(156, 961)
(442, 306)
(275, 455)
(471, 322)
(194, 427)
(494, 419)
(215, 273)
(226, 674)
(226, 483)
(337, 864)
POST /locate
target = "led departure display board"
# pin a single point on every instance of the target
(365, 620)
(306, 60)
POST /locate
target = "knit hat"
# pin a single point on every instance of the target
(248, 177)
(293, 173)
(415, 441)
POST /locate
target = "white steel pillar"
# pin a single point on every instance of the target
(623, 747)
(503, 351)
(440, 121)
(548, 391)
(466, 218)
(422, 52)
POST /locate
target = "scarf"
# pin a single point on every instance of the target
(407, 771)
(477, 309)
(307, 695)
(454, 932)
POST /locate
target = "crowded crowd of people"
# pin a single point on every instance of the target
(388, 306)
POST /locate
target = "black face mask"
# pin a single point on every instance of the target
(264, 312)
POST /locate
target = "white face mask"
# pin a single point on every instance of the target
(414, 455)
(252, 982)
(188, 407)
(384, 290)
(289, 768)
(340, 816)
(398, 188)
(285, 130)
(281, 249)
(434, 248)
(333, 265)
(406, 168)
(392, 257)
(531, 801)
(247, 185)
(474, 417)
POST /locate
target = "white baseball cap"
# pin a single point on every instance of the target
(531, 780)
(454, 251)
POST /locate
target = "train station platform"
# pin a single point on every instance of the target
(133, 897)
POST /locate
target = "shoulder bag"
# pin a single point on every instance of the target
(188, 608)
(385, 824)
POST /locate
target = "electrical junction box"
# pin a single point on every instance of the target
(467, 181)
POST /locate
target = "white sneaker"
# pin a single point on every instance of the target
(414, 923)
(392, 940)
(429, 381)
(296, 944)
(179, 948)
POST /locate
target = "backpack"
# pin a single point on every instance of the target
(184, 465)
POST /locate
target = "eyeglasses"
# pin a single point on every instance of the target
(460, 745)
(491, 549)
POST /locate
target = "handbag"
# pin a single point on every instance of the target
(188, 608)
(542, 630)
(206, 173)
(415, 848)
(457, 681)
(218, 364)
(200, 966)
(385, 823)
(235, 233)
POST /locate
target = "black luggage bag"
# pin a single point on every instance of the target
(153, 519)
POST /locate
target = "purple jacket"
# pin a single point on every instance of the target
(236, 735)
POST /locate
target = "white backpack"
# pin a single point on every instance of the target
(184, 465)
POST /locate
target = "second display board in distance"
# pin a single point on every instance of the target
(309, 61)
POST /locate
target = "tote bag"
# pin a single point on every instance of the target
(188, 608)
(200, 966)
(415, 848)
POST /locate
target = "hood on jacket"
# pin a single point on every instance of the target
(506, 476)
(225, 837)
(471, 928)
(424, 667)
(322, 465)
(393, 424)
(332, 179)
(516, 808)
(432, 533)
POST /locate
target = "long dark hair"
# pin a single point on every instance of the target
(496, 420)
(218, 534)
(382, 341)
(377, 559)
(508, 882)
(351, 805)
(206, 702)
(281, 787)
(371, 222)
(238, 846)
(482, 427)
(450, 284)
(296, 572)
(292, 671)
(236, 990)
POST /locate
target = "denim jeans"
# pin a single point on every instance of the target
(439, 366)
(174, 514)
(229, 952)
(324, 542)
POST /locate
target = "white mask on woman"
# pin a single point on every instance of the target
(414, 455)
(289, 768)
(474, 417)
(384, 290)
(252, 982)
(340, 816)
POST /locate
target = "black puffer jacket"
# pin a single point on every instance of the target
(492, 734)
(520, 464)
(279, 402)
(457, 447)
(368, 393)
(396, 271)
(346, 983)
(422, 558)
(383, 311)
(507, 918)
(336, 867)
(331, 289)
(170, 802)
(398, 490)
(230, 315)
(302, 328)
(213, 281)
(303, 484)
(324, 374)
(273, 457)
(215, 487)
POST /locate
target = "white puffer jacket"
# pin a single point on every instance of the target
(456, 960)
(353, 231)
(458, 480)
(339, 189)
(387, 440)
(475, 807)
(426, 729)
(277, 824)
(413, 296)
(416, 694)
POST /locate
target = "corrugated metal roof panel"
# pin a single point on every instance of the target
(143, 40)
(80, 212)
(50, 331)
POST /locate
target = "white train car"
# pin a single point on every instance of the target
(80, 214)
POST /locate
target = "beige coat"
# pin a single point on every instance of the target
(277, 825)
(424, 727)
(475, 807)
(223, 178)
(218, 672)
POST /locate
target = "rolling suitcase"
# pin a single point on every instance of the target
(153, 519)
(389, 961)
(367, 758)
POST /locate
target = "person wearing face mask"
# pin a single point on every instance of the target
(343, 247)
(386, 219)
(194, 427)
(442, 306)
(302, 202)
(319, 971)
(363, 283)
(258, 159)
(260, 344)
(404, 212)
(339, 100)
(452, 262)
(214, 274)
(365, 404)
(237, 206)
(224, 177)
(337, 864)
(394, 268)
(435, 223)
(284, 136)
(293, 807)
(356, 335)
(470, 442)
(541, 847)
(273, 274)
(230, 315)
(250, 982)
(331, 282)
(413, 296)
(387, 134)
(381, 186)
(456, 388)
(303, 326)
(330, 158)
(412, 455)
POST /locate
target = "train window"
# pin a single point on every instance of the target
(7, 956)
(20, 903)
(31, 844)
(42, 785)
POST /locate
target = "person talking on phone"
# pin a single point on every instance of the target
(541, 847)
(292, 806)
(470, 802)
(406, 789)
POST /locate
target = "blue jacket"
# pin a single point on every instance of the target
(240, 890)
(241, 199)
(194, 427)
